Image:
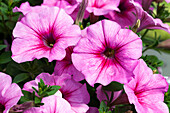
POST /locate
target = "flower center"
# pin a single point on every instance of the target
(49, 40)
(2, 108)
(109, 53)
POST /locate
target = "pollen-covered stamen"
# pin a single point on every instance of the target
(109, 53)
(49, 39)
(2, 108)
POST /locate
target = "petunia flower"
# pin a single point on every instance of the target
(66, 66)
(9, 93)
(70, 6)
(148, 22)
(130, 12)
(25, 8)
(125, 16)
(73, 92)
(44, 34)
(107, 53)
(146, 90)
(52, 104)
(102, 7)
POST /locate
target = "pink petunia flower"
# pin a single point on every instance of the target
(146, 90)
(70, 6)
(125, 16)
(102, 7)
(9, 93)
(44, 34)
(66, 66)
(107, 53)
(52, 104)
(130, 12)
(25, 8)
(73, 92)
(148, 22)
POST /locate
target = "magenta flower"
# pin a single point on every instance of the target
(66, 66)
(130, 12)
(25, 8)
(146, 90)
(52, 104)
(124, 16)
(73, 92)
(44, 34)
(70, 6)
(9, 93)
(107, 54)
(148, 22)
(102, 7)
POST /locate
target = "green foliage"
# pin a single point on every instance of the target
(2, 46)
(153, 62)
(27, 96)
(45, 90)
(5, 57)
(113, 86)
(167, 98)
(103, 108)
(21, 77)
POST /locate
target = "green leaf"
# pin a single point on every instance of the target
(37, 100)
(35, 89)
(5, 57)
(21, 77)
(27, 96)
(2, 46)
(54, 90)
(152, 61)
(113, 86)
(103, 108)
(14, 69)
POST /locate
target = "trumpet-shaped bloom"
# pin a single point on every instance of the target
(46, 33)
(66, 66)
(124, 16)
(148, 22)
(9, 93)
(146, 90)
(52, 104)
(102, 7)
(73, 92)
(130, 12)
(107, 53)
(70, 6)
